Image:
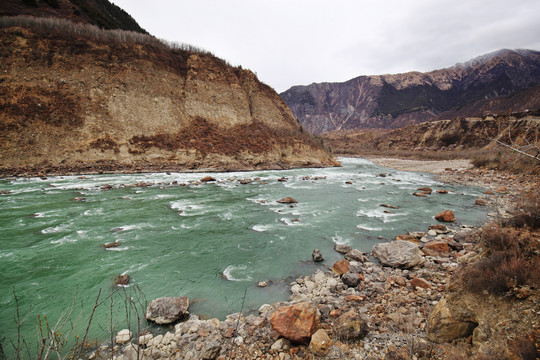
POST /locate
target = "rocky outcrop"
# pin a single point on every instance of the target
(93, 103)
(392, 101)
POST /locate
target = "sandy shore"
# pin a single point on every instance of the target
(429, 166)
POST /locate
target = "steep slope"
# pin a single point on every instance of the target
(392, 101)
(96, 103)
(101, 13)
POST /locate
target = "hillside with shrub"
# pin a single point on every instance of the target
(101, 13)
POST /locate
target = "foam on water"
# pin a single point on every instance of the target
(236, 273)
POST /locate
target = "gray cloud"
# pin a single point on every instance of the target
(294, 42)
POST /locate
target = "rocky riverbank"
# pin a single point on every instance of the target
(365, 306)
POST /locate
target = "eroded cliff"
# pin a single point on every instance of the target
(73, 103)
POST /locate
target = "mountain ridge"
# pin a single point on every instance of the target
(396, 100)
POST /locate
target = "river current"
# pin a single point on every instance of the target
(211, 242)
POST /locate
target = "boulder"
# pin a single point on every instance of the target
(425, 190)
(436, 248)
(444, 326)
(446, 216)
(320, 343)
(296, 322)
(398, 253)
(317, 256)
(287, 200)
(389, 206)
(419, 194)
(207, 179)
(341, 248)
(167, 310)
(350, 279)
(350, 326)
(111, 245)
(356, 255)
(341, 267)
(123, 336)
(442, 191)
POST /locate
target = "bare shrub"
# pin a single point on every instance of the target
(499, 273)
(68, 28)
(525, 347)
(528, 211)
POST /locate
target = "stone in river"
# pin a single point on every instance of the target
(122, 280)
(207, 179)
(167, 310)
(287, 200)
(111, 245)
(425, 190)
(446, 216)
(317, 256)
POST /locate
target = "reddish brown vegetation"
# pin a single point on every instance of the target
(205, 137)
(511, 256)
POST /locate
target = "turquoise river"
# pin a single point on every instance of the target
(211, 242)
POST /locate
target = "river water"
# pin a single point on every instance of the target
(209, 242)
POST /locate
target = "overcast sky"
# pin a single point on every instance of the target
(298, 42)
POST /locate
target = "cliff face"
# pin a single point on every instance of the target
(79, 103)
(392, 101)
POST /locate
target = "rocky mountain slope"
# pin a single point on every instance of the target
(101, 13)
(74, 98)
(392, 101)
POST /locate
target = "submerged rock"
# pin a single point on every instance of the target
(287, 200)
(317, 256)
(167, 310)
(122, 280)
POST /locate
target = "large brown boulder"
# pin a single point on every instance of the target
(400, 253)
(444, 324)
(296, 322)
(167, 310)
(446, 216)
